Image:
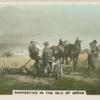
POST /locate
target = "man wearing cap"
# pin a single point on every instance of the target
(47, 55)
(92, 55)
(94, 47)
(91, 58)
(33, 50)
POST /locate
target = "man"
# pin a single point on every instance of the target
(92, 55)
(47, 56)
(91, 58)
(34, 54)
(94, 48)
(34, 51)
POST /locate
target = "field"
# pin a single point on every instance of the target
(16, 61)
(82, 79)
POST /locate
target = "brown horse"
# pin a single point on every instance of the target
(72, 51)
(65, 51)
(58, 51)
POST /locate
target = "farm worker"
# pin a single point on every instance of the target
(94, 48)
(91, 59)
(92, 55)
(34, 51)
(47, 56)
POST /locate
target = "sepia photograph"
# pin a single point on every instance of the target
(49, 47)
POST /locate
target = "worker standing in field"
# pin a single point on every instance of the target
(33, 51)
(92, 55)
(34, 54)
(94, 48)
(47, 57)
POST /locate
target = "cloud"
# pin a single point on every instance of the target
(49, 23)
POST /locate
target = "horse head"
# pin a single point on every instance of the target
(64, 43)
(78, 44)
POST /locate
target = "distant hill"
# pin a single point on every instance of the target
(16, 48)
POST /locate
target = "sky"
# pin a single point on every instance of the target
(23, 23)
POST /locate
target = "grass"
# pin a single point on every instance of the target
(16, 61)
(9, 84)
(73, 84)
(22, 82)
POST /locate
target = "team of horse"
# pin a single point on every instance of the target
(64, 51)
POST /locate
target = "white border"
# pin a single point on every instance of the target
(19, 97)
(10, 97)
(50, 3)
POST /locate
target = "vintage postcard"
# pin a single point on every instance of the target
(49, 49)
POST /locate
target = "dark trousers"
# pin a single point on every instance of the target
(91, 62)
(91, 65)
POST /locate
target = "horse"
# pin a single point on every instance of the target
(72, 51)
(64, 51)
(58, 51)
